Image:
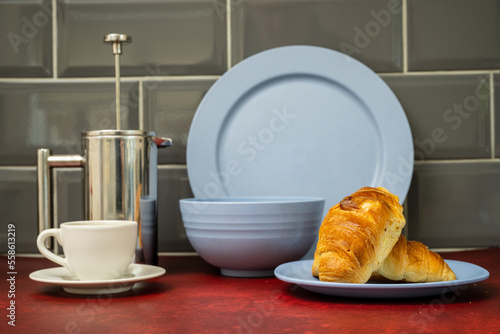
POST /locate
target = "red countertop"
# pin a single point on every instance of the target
(192, 297)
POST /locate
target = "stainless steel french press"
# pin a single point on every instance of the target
(119, 173)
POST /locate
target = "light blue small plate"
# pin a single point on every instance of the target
(299, 272)
(299, 121)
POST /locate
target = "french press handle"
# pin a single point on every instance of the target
(45, 163)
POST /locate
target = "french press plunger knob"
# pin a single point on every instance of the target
(116, 40)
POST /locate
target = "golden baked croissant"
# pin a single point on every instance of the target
(412, 261)
(356, 235)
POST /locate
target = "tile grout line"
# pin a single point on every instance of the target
(141, 105)
(492, 114)
(18, 168)
(215, 77)
(112, 79)
(456, 161)
(441, 72)
(172, 165)
(404, 29)
(183, 165)
(54, 39)
(228, 34)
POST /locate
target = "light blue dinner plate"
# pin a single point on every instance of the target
(299, 121)
(299, 272)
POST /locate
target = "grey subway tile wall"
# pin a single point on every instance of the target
(169, 108)
(369, 31)
(449, 200)
(453, 34)
(173, 184)
(26, 41)
(449, 115)
(53, 114)
(18, 206)
(170, 37)
(441, 58)
(496, 87)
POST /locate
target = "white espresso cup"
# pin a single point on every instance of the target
(93, 249)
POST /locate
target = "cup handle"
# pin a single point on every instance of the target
(40, 243)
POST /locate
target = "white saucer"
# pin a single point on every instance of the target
(62, 277)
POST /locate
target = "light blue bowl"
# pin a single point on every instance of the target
(249, 237)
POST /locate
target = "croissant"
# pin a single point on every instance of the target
(356, 236)
(412, 261)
